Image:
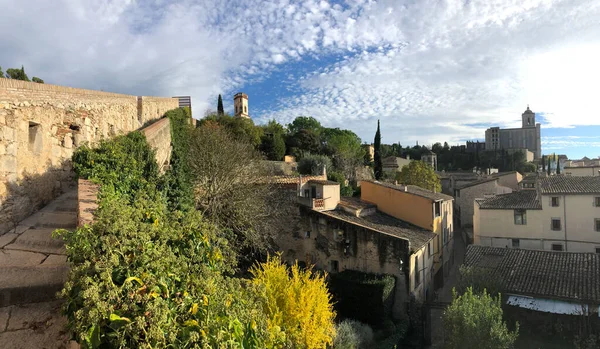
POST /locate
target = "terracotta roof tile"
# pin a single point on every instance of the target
(559, 275)
(413, 189)
(570, 185)
(418, 237)
(524, 199)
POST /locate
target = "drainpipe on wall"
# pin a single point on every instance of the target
(565, 214)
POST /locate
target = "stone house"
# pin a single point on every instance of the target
(540, 288)
(562, 213)
(455, 179)
(590, 170)
(465, 196)
(426, 209)
(393, 164)
(430, 158)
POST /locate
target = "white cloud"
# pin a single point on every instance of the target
(429, 69)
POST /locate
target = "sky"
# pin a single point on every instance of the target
(429, 70)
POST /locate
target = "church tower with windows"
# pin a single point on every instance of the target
(240, 104)
(528, 118)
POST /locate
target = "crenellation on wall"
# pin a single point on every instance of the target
(42, 124)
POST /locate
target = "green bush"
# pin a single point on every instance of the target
(311, 164)
(351, 334)
(125, 164)
(178, 179)
(362, 296)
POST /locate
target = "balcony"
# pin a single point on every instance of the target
(315, 204)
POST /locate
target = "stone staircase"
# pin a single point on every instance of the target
(33, 268)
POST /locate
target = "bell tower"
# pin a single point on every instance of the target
(528, 118)
(240, 105)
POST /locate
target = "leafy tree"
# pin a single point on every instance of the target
(305, 123)
(344, 148)
(17, 74)
(420, 174)
(38, 80)
(273, 146)
(446, 148)
(312, 164)
(478, 279)
(475, 321)
(220, 110)
(378, 165)
(1, 73)
(437, 148)
(352, 334)
(549, 165)
(303, 141)
(297, 302)
(230, 186)
(242, 129)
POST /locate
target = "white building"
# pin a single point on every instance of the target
(561, 214)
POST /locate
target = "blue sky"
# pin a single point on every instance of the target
(430, 70)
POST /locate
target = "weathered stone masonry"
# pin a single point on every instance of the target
(42, 124)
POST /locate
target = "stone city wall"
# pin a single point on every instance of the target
(41, 125)
(158, 136)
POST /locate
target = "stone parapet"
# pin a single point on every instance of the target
(158, 136)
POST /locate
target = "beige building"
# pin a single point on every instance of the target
(465, 196)
(240, 104)
(337, 234)
(430, 158)
(393, 164)
(370, 149)
(561, 214)
(423, 208)
(581, 171)
(525, 137)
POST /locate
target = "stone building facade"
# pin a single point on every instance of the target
(525, 137)
(41, 125)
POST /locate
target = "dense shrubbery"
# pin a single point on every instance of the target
(312, 164)
(362, 296)
(147, 274)
(351, 334)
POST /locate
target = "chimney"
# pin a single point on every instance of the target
(324, 172)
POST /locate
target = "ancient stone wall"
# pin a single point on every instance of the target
(158, 136)
(41, 125)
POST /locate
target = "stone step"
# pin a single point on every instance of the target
(35, 325)
(51, 219)
(38, 240)
(31, 284)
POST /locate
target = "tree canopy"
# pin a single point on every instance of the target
(475, 321)
(420, 174)
(220, 110)
(17, 74)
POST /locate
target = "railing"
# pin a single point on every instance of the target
(317, 204)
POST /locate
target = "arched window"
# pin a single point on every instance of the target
(245, 109)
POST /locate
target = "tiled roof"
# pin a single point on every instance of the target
(355, 203)
(292, 179)
(474, 183)
(585, 166)
(524, 199)
(323, 182)
(570, 185)
(549, 274)
(500, 174)
(418, 237)
(413, 189)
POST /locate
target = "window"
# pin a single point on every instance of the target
(307, 234)
(417, 272)
(554, 201)
(555, 223)
(334, 266)
(557, 247)
(598, 250)
(245, 109)
(429, 248)
(515, 243)
(457, 193)
(520, 217)
(338, 235)
(35, 137)
(597, 201)
(597, 224)
(437, 209)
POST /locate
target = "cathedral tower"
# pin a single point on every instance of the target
(240, 104)
(528, 118)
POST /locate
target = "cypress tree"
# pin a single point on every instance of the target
(549, 163)
(543, 163)
(557, 165)
(378, 165)
(220, 110)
